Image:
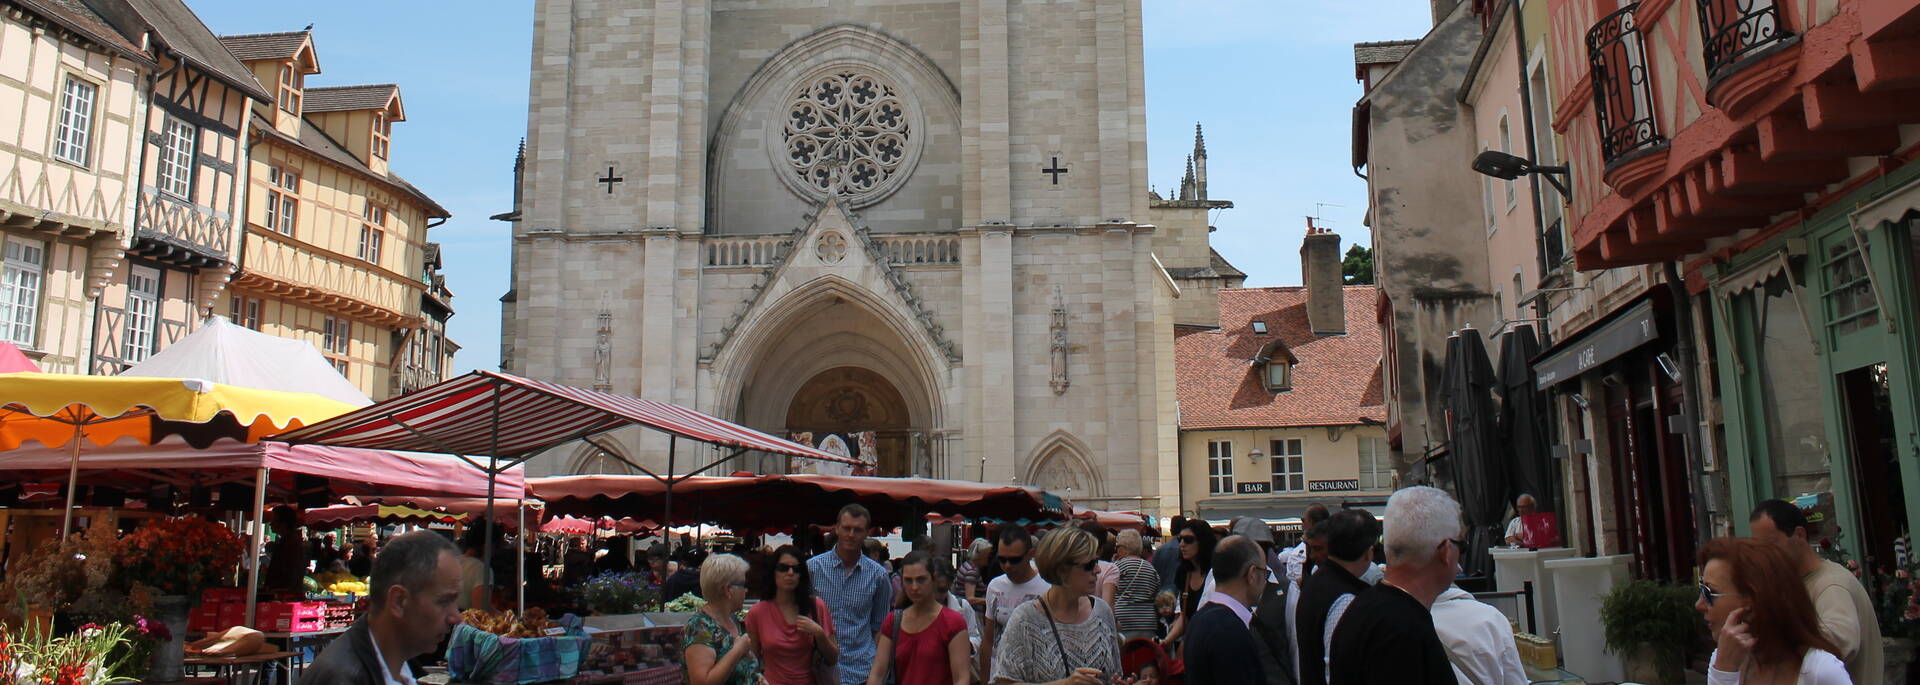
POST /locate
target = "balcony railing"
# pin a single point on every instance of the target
(1556, 243)
(1730, 30)
(1622, 92)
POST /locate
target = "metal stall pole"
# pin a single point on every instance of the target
(493, 475)
(73, 478)
(259, 533)
(666, 526)
(520, 564)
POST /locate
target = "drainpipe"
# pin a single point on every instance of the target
(1690, 391)
(1526, 117)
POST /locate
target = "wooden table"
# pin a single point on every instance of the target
(232, 667)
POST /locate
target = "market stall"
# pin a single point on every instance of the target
(780, 502)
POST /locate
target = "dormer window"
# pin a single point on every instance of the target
(382, 129)
(291, 81)
(1275, 365)
(1279, 375)
(1259, 328)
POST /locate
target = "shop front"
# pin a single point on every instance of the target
(1817, 368)
(1631, 472)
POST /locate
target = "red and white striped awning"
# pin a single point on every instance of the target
(490, 413)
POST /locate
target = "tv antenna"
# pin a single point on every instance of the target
(1318, 219)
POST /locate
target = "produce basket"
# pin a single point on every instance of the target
(477, 656)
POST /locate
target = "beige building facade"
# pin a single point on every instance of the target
(925, 223)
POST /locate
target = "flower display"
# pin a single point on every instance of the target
(180, 556)
(615, 593)
(87, 657)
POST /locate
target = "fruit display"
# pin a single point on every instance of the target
(686, 604)
(348, 587)
(534, 623)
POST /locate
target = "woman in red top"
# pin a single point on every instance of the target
(791, 625)
(925, 643)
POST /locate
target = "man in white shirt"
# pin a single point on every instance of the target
(1478, 639)
(1018, 583)
(416, 589)
(1516, 531)
(1295, 557)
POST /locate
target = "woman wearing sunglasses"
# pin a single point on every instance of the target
(717, 650)
(1764, 626)
(792, 626)
(1194, 581)
(926, 642)
(1066, 637)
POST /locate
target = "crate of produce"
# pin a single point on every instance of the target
(217, 595)
(505, 650)
(289, 617)
(337, 614)
(204, 618)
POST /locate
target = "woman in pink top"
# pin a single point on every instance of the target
(925, 643)
(792, 626)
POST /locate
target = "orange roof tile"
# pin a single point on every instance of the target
(1337, 381)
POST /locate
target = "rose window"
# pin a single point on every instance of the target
(848, 132)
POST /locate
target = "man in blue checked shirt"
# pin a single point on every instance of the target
(856, 590)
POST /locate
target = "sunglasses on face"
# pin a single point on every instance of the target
(1708, 595)
(1188, 539)
(1012, 561)
(1090, 565)
(786, 568)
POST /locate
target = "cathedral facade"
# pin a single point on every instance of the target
(917, 227)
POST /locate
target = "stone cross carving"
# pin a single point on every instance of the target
(1059, 381)
(603, 353)
(1056, 170)
(611, 179)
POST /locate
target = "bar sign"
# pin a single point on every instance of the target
(1254, 487)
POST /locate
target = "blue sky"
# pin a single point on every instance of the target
(1272, 82)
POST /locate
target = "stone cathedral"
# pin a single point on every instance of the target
(917, 230)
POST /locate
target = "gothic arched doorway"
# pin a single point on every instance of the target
(849, 400)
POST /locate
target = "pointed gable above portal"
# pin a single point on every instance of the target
(835, 245)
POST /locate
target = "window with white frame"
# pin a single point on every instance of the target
(1376, 466)
(1219, 467)
(291, 81)
(177, 144)
(283, 205)
(245, 312)
(382, 132)
(73, 137)
(143, 313)
(335, 335)
(26, 264)
(372, 232)
(1289, 466)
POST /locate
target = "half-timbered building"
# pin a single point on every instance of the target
(74, 90)
(334, 248)
(192, 180)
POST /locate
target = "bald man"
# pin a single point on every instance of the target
(1522, 506)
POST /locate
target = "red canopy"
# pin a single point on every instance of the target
(12, 360)
(780, 502)
(490, 413)
(579, 526)
(349, 471)
(342, 514)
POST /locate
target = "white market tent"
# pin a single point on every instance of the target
(223, 352)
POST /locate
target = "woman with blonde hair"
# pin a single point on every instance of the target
(1067, 635)
(718, 651)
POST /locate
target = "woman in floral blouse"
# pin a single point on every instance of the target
(718, 649)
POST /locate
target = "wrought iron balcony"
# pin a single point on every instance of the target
(1622, 92)
(1731, 30)
(1555, 243)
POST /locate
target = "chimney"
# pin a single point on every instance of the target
(1320, 271)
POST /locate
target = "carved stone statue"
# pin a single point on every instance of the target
(603, 353)
(1060, 381)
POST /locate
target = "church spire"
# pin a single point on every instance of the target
(1187, 189)
(1199, 163)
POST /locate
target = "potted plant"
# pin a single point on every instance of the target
(1654, 627)
(1896, 604)
(177, 558)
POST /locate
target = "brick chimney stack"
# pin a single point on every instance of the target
(1320, 271)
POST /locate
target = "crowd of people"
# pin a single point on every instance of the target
(1079, 605)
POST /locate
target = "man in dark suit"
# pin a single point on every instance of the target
(1219, 640)
(1324, 596)
(1270, 614)
(416, 584)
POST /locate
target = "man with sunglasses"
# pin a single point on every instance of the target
(1019, 582)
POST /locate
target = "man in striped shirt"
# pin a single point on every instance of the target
(856, 590)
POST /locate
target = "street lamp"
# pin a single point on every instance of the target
(1507, 167)
(1254, 455)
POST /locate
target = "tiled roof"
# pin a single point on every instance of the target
(1337, 381)
(1217, 267)
(349, 98)
(1382, 52)
(257, 46)
(77, 17)
(313, 140)
(182, 30)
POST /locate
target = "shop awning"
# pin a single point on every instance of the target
(349, 471)
(780, 502)
(506, 416)
(1632, 328)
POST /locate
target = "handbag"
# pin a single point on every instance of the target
(826, 670)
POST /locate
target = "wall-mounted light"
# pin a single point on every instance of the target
(1255, 455)
(1580, 401)
(1507, 167)
(1667, 365)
